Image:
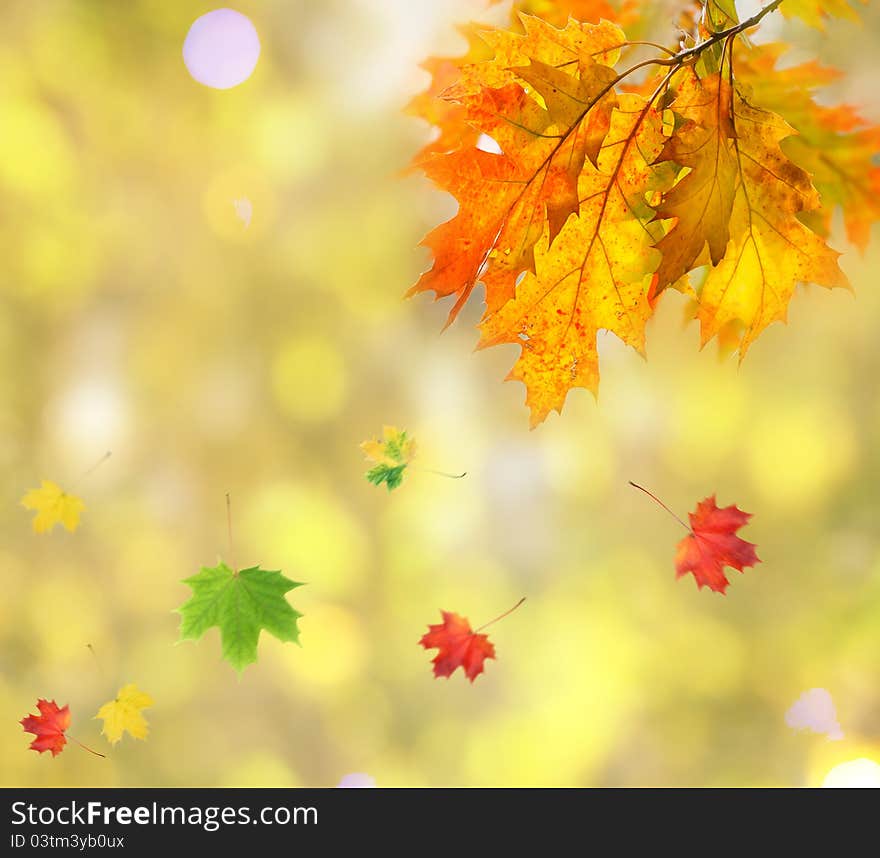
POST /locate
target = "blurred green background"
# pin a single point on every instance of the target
(139, 314)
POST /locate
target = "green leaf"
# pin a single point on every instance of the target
(241, 605)
(385, 474)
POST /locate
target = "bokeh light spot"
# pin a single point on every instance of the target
(855, 773)
(221, 49)
(309, 379)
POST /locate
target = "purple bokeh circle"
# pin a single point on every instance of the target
(221, 49)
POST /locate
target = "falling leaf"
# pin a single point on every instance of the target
(390, 456)
(241, 604)
(49, 727)
(713, 544)
(458, 646)
(53, 506)
(125, 714)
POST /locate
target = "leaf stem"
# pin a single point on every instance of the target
(501, 616)
(444, 473)
(657, 500)
(91, 649)
(229, 534)
(86, 747)
(92, 469)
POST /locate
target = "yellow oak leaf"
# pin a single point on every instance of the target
(53, 506)
(770, 250)
(124, 714)
(596, 274)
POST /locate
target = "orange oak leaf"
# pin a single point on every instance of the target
(49, 727)
(531, 98)
(459, 646)
(711, 543)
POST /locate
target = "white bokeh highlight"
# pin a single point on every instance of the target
(814, 710)
(855, 773)
(357, 780)
(221, 49)
(244, 210)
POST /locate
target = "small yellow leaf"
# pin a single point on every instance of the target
(53, 506)
(124, 714)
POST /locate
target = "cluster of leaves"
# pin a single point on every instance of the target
(586, 192)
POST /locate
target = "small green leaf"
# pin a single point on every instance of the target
(241, 605)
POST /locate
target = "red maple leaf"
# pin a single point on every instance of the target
(49, 727)
(459, 646)
(711, 543)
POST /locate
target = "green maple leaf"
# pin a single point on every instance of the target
(241, 604)
(391, 456)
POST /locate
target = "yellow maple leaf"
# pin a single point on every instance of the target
(53, 506)
(124, 714)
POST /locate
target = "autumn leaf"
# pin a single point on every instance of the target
(505, 197)
(458, 645)
(124, 714)
(834, 143)
(53, 506)
(240, 604)
(702, 201)
(49, 727)
(390, 456)
(817, 12)
(711, 543)
(770, 250)
(595, 276)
